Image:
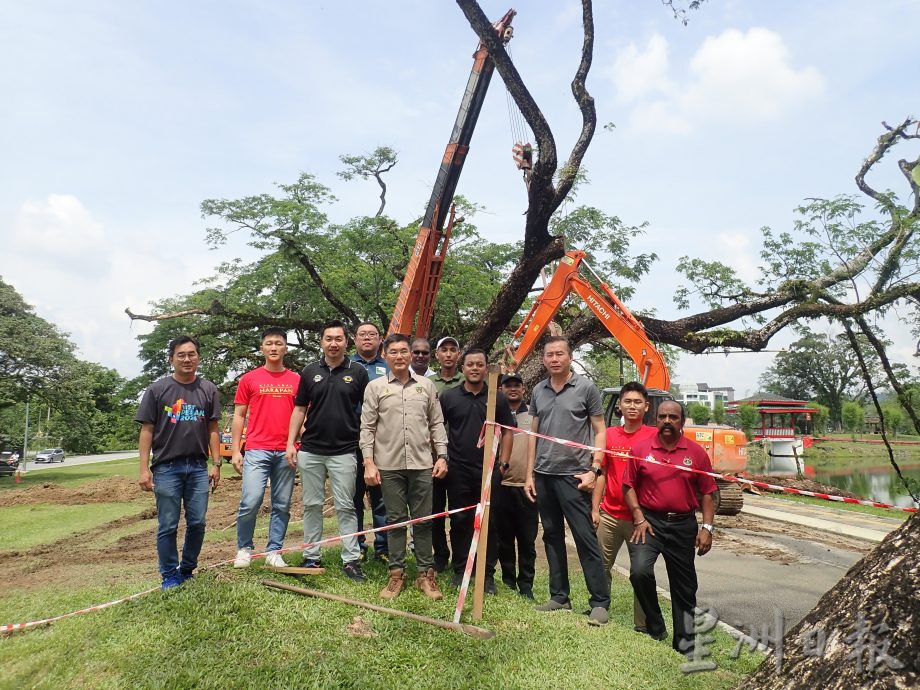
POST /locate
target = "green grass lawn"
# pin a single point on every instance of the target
(224, 629)
(74, 475)
(25, 526)
(883, 512)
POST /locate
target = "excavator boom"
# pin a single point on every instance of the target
(617, 319)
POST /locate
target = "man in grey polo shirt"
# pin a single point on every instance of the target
(561, 478)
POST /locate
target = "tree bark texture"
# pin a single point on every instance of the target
(878, 596)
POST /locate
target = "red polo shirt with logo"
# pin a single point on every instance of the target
(619, 441)
(666, 489)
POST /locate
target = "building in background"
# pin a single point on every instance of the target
(704, 393)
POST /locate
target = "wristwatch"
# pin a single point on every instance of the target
(708, 527)
(597, 471)
(442, 457)
(505, 465)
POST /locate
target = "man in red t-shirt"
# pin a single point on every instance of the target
(662, 501)
(266, 394)
(611, 516)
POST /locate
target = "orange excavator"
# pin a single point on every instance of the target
(726, 447)
(423, 274)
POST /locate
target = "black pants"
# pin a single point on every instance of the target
(676, 541)
(463, 489)
(378, 509)
(438, 529)
(516, 526)
(560, 501)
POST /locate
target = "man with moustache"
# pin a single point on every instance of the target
(421, 357)
(662, 501)
(332, 389)
(609, 512)
(266, 396)
(464, 409)
(367, 354)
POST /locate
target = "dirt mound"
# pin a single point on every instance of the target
(804, 485)
(116, 489)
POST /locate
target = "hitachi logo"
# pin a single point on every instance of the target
(600, 308)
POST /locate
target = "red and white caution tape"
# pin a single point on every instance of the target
(15, 627)
(714, 475)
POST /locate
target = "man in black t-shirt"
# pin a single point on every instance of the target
(464, 409)
(178, 416)
(329, 396)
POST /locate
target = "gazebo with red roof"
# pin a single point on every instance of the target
(775, 411)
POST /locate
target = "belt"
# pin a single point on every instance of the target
(668, 517)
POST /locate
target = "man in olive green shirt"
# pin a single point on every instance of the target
(449, 376)
(401, 420)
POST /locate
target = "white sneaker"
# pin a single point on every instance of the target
(243, 558)
(274, 560)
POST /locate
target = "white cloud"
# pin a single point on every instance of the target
(59, 225)
(735, 77)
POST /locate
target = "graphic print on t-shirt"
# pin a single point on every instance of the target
(276, 389)
(181, 411)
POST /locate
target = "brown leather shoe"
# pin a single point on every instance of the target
(429, 585)
(394, 585)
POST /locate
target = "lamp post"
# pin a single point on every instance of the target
(25, 440)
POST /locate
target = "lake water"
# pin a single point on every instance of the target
(874, 483)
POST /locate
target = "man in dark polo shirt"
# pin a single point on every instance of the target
(663, 500)
(449, 376)
(331, 389)
(464, 409)
(561, 478)
(367, 354)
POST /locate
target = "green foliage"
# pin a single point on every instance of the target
(718, 412)
(893, 417)
(748, 418)
(852, 416)
(820, 367)
(820, 418)
(91, 407)
(699, 413)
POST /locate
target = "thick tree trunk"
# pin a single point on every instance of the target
(878, 598)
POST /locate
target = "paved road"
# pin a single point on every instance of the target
(71, 460)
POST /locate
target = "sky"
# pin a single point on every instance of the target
(121, 118)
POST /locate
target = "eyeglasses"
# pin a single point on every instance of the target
(186, 356)
(421, 352)
(365, 336)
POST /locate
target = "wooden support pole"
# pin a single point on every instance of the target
(487, 469)
(467, 629)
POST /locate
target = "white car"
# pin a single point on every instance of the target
(50, 455)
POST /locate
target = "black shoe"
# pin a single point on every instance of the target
(382, 556)
(509, 582)
(526, 593)
(364, 550)
(311, 563)
(489, 585)
(352, 569)
(440, 563)
(456, 580)
(663, 635)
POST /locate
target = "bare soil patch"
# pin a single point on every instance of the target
(801, 484)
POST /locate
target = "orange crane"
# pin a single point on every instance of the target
(726, 447)
(415, 304)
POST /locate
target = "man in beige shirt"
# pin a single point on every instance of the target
(400, 421)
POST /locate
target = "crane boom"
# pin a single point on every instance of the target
(626, 329)
(415, 303)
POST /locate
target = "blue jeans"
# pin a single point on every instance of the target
(260, 466)
(175, 483)
(341, 470)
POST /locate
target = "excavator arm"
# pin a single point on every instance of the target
(426, 264)
(617, 319)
